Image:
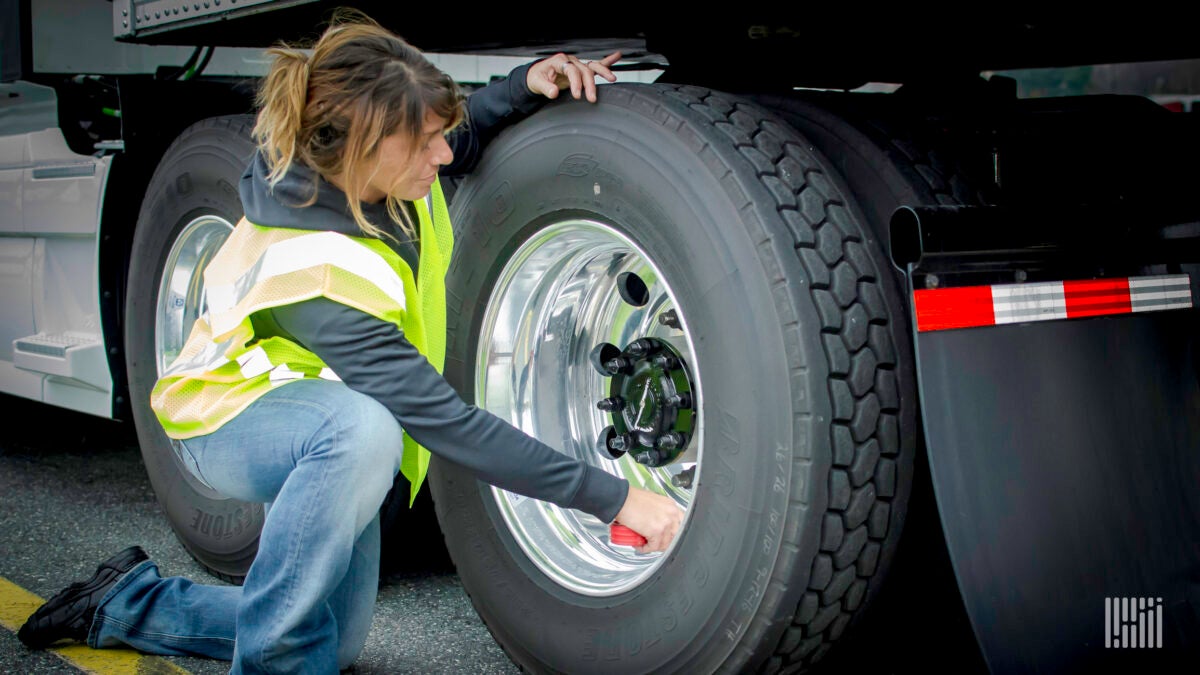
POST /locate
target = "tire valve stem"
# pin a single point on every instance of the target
(670, 319)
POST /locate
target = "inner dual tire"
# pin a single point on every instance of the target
(788, 317)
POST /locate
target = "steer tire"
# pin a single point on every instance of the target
(809, 416)
(199, 175)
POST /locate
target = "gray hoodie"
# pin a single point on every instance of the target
(373, 357)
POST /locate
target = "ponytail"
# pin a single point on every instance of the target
(281, 99)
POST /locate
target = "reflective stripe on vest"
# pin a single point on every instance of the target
(223, 367)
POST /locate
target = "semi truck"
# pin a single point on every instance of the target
(826, 279)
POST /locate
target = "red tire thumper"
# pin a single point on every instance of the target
(619, 535)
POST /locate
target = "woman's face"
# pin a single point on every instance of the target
(406, 174)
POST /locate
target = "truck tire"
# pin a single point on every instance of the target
(887, 152)
(191, 205)
(889, 156)
(759, 272)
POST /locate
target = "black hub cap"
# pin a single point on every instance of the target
(649, 401)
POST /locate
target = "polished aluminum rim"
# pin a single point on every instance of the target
(553, 302)
(181, 297)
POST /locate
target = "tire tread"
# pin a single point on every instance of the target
(844, 285)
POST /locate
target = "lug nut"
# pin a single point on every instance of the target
(671, 440)
(648, 457)
(611, 404)
(665, 362)
(601, 355)
(641, 347)
(618, 365)
(613, 444)
(632, 289)
(683, 400)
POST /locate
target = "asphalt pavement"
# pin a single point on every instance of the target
(73, 491)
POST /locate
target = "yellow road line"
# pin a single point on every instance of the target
(16, 604)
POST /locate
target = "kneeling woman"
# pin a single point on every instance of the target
(315, 377)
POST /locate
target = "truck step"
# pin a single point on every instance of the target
(71, 354)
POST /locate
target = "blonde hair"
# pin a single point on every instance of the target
(329, 110)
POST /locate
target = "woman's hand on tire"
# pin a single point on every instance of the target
(655, 517)
(561, 71)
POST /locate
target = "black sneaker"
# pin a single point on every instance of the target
(69, 613)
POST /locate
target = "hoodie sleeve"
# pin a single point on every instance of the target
(373, 357)
(489, 110)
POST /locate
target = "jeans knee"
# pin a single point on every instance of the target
(376, 437)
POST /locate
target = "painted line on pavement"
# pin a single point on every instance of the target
(16, 604)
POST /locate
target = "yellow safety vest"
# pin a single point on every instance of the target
(223, 367)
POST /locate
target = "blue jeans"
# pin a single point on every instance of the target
(324, 457)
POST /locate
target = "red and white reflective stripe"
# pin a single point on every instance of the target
(971, 306)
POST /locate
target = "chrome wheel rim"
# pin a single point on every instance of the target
(553, 301)
(181, 298)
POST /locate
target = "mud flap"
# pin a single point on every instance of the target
(1065, 458)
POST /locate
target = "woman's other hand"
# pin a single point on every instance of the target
(550, 76)
(655, 517)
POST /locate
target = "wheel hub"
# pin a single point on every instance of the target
(649, 402)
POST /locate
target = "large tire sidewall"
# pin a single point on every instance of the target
(719, 258)
(197, 176)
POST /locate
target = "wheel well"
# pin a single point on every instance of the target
(153, 114)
